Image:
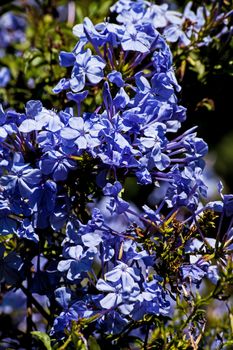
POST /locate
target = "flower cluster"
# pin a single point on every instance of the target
(12, 31)
(63, 176)
(185, 28)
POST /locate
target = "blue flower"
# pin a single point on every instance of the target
(112, 322)
(213, 274)
(42, 203)
(174, 33)
(63, 297)
(88, 32)
(153, 145)
(152, 300)
(118, 295)
(121, 100)
(124, 274)
(228, 204)
(135, 40)
(4, 76)
(8, 225)
(225, 205)
(196, 21)
(3, 125)
(72, 310)
(33, 107)
(143, 176)
(162, 56)
(195, 146)
(27, 231)
(12, 29)
(86, 66)
(66, 59)
(161, 87)
(42, 118)
(122, 5)
(63, 84)
(57, 164)
(22, 177)
(95, 223)
(77, 132)
(184, 191)
(78, 98)
(116, 78)
(194, 272)
(116, 204)
(79, 261)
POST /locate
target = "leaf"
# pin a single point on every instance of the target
(228, 343)
(6, 6)
(231, 322)
(79, 14)
(92, 343)
(44, 338)
(104, 9)
(206, 103)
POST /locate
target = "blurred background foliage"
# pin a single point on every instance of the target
(205, 73)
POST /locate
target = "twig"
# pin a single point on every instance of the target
(36, 303)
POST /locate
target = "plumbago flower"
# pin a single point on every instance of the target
(110, 267)
(184, 28)
(12, 30)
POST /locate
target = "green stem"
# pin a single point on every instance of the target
(147, 336)
(67, 342)
(29, 315)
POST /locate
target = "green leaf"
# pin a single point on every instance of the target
(44, 338)
(104, 9)
(92, 343)
(228, 343)
(206, 103)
